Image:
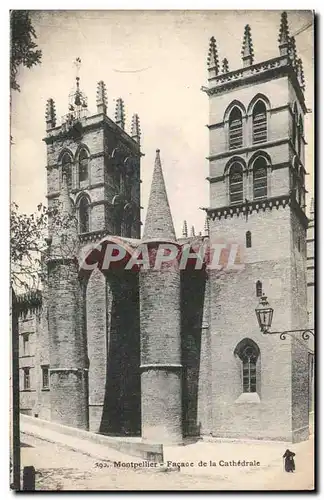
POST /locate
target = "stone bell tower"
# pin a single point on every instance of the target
(257, 200)
(93, 177)
(101, 161)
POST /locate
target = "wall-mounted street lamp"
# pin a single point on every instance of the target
(264, 314)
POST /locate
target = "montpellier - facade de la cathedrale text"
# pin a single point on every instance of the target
(166, 354)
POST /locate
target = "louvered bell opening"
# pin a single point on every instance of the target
(235, 134)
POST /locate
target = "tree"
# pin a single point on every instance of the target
(30, 246)
(23, 48)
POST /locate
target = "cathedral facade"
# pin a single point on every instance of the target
(166, 354)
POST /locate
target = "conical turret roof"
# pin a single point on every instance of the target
(158, 222)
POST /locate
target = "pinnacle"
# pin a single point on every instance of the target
(247, 47)
(136, 129)
(225, 66)
(212, 60)
(158, 222)
(120, 113)
(50, 113)
(185, 229)
(284, 29)
(206, 226)
(283, 38)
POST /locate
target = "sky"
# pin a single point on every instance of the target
(155, 61)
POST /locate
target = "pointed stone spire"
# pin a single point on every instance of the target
(136, 129)
(120, 113)
(247, 47)
(283, 35)
(192, 232)
(50, 114)
(300, 73)
(158, 222)
(212, 60)
(206, 226)
(185, 229)
(101, 97)
(225, 67)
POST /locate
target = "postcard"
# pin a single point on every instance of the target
(162, 250)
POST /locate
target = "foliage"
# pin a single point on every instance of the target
(23, 48)
(30, 245)
(27, 245)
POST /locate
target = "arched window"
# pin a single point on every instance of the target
(248, 239)
(248, 352)
(236, 183)
(235, 128)
(84, 210)
(300, 135)
(260, 181)
(259, 122)
(294, 125)
(301, 188)
(67, 169)
(83, 165)
(258, 288)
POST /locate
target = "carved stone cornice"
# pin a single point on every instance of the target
(246, 149)
(93, 236)
(248, 207)
(276, 67)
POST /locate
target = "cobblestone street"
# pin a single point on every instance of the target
(60, 468)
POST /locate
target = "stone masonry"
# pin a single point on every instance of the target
(170, 353)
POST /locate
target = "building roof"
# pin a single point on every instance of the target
(158, 222)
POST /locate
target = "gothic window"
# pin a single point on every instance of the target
(300, 135)
(260, 182)
(235, 129)
(259, 122)
(248, 352)
(248, 239)
(295, 125)
(258, 288)
(236, 183)
(26, 344)
(45, 377)
(301, 188)
(83, 165)
(67, 169)
(84, 210)
(26, 379)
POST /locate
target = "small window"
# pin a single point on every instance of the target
(26, 344)
(45, 377)
(248, 239)
(84, 215)
(248, 352)
(26, 379)
(260, 181)
(258, 288)
(235, 129)
(83, 166)
(236, 183)
(259, 122)
(298, 244)
(300, 135)
(249, 358)
(67, 169)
